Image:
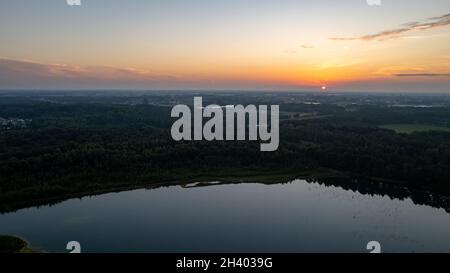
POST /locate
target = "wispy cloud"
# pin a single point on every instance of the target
(290, 51)
(27, 73)
(24, 74)
(301, 47)
(430, 23)
(422, 75)
(74, 71)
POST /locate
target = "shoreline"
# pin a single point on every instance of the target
(318, 175)
(15, 244)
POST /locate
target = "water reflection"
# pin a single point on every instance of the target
(321, 215)
(394, 192)
(360, 185)
(364, 187)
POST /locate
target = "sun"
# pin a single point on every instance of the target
(324, 88)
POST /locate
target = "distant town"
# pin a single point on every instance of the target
(14, 123)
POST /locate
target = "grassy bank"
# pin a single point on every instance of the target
(12, 244)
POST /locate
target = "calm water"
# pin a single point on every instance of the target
(292, 217)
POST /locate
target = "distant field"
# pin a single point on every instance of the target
(411, 128)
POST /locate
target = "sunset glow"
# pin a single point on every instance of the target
(294, 45)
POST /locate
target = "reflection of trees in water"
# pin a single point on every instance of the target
(374, 188)
(365, 187)
(361, 185)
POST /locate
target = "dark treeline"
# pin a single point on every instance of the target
(87, 147)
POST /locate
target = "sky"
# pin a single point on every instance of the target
(343, 45)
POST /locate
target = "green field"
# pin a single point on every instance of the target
(411, 128)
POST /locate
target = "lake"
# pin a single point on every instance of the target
(299, 216)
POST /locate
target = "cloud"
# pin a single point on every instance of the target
(422, 75)
(74, 71)
(26, 74)
(307, 46)
(430, 23)
(290, 51)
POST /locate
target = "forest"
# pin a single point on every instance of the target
(92, 143)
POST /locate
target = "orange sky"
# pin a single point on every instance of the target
(226, 45)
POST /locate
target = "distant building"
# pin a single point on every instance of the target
(14, 123)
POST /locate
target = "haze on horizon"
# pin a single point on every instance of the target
(401, 46)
